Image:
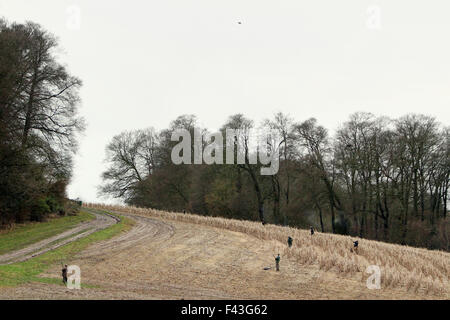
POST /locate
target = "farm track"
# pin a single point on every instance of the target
(82, 230)
(144, 229)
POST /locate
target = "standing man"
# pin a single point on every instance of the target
(355, 246)
(290, 241)
(64, 274)
(312, 230)
(277, 262)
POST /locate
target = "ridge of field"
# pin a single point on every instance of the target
(414, 270)
(22, 235)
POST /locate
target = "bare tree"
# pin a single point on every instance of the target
(243, 127)
(314, 139)
(132, 158)
(39, 120)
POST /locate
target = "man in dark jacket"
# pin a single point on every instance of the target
(355, 247)
(277, 262)
(64, 273)
(290, 241)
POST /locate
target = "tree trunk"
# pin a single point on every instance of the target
(320, 217)
(332, 216)
(29, 113)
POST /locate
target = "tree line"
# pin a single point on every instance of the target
(38, 123)
(375, 177)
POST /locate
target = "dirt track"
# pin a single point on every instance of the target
(82, 230)
(145, 230)
(161, 259)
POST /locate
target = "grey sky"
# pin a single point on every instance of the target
(143, 63)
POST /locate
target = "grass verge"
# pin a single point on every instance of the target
(25, 235)
(28, 271)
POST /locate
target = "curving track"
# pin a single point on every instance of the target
(82, 230)
(145, 229)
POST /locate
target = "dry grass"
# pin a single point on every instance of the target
(413, 269)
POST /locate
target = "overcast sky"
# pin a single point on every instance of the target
(143, 63)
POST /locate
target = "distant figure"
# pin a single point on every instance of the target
(290, 242)
(64, 273)
(312, 230)
(355, 247)
(184, 211)
(263, 222)
(277, 262)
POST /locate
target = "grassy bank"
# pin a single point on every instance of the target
(28, 271)
(24, 235)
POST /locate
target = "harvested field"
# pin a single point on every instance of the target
(176, 256)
